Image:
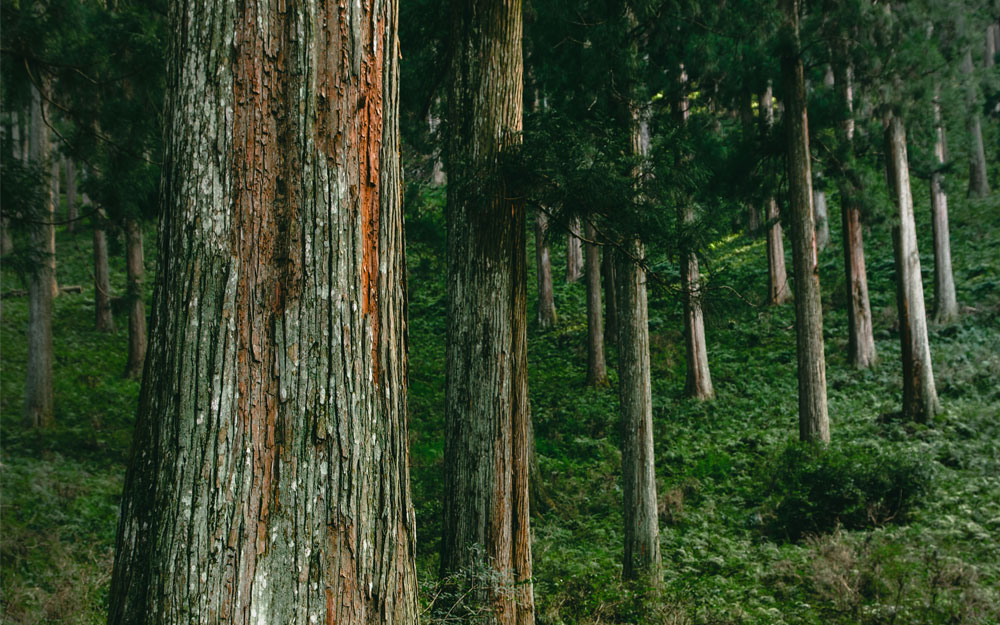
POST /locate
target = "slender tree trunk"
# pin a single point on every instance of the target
(919, 395)
(822, 217)
(979, 185)
(546, 313)
(269, 478)
(574, 252)
(438, 175)
(610, 299)
(38, 399)
(136, 307)
(104, 320)
(597, 370)
(14, 134)
(945, 300)
(777, 276)
(486, 410)
(861, 337)
(814, 424)
(72, 211)
(746, 120)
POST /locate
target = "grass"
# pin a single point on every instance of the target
(937, 563)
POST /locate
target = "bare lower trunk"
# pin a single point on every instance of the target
(610, 300)
(945, 300)
(698, 380)
(486, 541)
(14, 136)
(822, 219)
(136, 307)
(72, 210)
(104, 320)
(777, 276)
(814, 424)
(979, 185)
(546, 313)
(574, 252)
(597, 371)
(919, 395)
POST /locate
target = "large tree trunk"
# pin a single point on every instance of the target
(919, 396)
(861, 337)
(269, 478)
(979, 185)
(104, 321)
(945, 300)
(777, 276)
(814, 424)
(546, 313)
(136, 307)
(574, 252)
(597, 369)
(72, 211)
(38, 398)
(486, 409)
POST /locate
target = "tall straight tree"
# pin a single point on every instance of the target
(945, 300)
(979, 184)
(861, 337)
(814, 423)
(486, 406)
(104, 321)
(777, 275)
(546, 309)
(136, 271)
(574, 251)
(597, 369)
(268, 480)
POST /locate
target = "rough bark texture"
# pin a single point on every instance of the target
(919, 395)
(136, 272)
(38, 400)
(269, 481)
(72, 210)
(979, 185)
(486, 409)
(777, 276)
(104, 321)
(597, 369)
(945, 300)
(546, 312)
(574, 252)
(814, 424)
(861, 338)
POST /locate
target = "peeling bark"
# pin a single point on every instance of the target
(268, 481)
(546, 313)
(597, 369)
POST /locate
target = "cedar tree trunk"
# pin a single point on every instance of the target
(597, 369)
(546, 313)
(777, 276)
(136, 308)
(945, 300)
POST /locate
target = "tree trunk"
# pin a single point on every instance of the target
(777, 275)
(822, 218)
(269, 478)
(979, 185)
(861, 337)
(945, 300)
(14, 134)
(136, 307)
(72, 211)
(610, 299)
(486, 411)
(574, 252)
(38, 399)
(597, 370)
(919, 396)
(104, 320)
(546, 313)
(814, 424)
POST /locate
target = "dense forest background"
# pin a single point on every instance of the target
(896, 520)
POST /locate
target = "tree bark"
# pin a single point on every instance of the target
(777, 276)
(269, 480)
(979, 185)
(38, 398)
(546, 313)
(72, 210)
(486, 411)
(919, 395)
(814, 424)
(574, 252)
(860, 332)
(945, 300)
(14, 134)
(610, 299)
(136, 307)
(822, 218)
(597, 369)
(104, 321)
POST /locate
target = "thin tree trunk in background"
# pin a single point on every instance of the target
(546, 310)
(777, 276)
(574, 252)
(747, 123)
(814, 424)
(104, 320)
(822, 216)
(40, 128)
(438, 175)
(979, 185)
(860, 333)
(919, 395)
(945, 300)
(486, 405)
(610, 299)
(597, 370)
(136, 307)
(13, 127)
(72, 210)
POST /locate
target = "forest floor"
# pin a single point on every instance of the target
(896, 523)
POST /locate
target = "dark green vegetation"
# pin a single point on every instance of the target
(895, 523)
